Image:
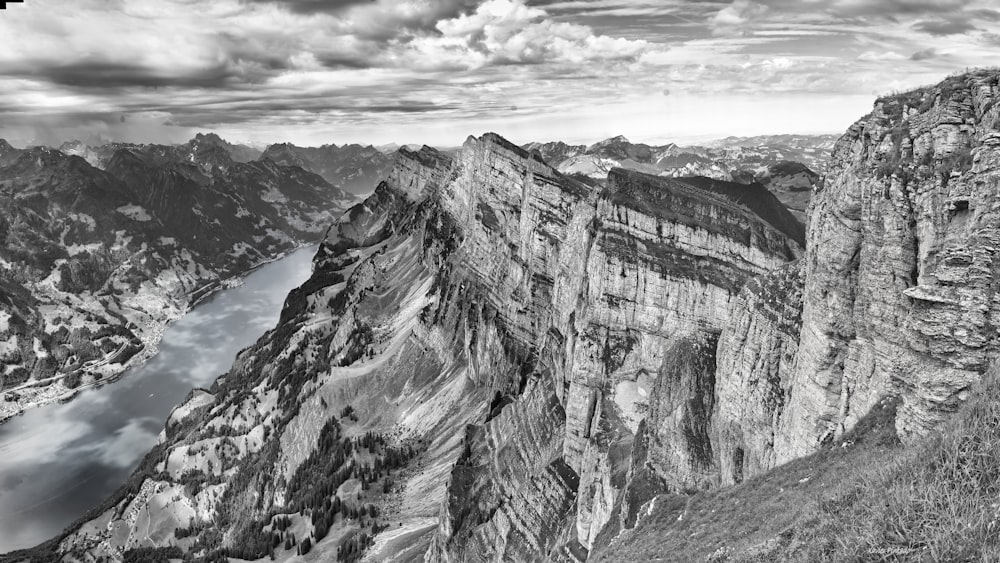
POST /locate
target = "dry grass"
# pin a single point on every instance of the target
(938, 500)
(871, 500)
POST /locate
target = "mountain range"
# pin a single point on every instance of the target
(354, 168)
(500, 357)
(788, 165)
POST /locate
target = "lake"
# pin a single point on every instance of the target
(58, 461)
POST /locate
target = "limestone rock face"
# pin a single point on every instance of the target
(756, 365)
(667, 260)
(900, 292)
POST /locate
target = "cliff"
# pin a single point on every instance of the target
(899, 294)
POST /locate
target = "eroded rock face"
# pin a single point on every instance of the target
(756, 365)
(900, 291)
(667, 260)
(680, 414)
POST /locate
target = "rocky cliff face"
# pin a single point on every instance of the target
(756, 363)
(899, 294)
(893, 299)
(95, 262)
(511, 329)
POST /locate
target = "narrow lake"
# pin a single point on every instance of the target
(59, 461)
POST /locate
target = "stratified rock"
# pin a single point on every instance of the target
(900, 290)
(756, 365)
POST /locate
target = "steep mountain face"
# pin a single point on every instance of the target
(475, 356)
(357, 169)
(900, 292)
(95, 263)
(784, 164)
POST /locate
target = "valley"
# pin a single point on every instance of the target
(96, 262)
(62, 459)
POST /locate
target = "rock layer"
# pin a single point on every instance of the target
(900, 291)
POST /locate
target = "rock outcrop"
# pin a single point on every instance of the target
(755, 369)
(899, 293)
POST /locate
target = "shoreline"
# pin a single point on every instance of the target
(56, 392)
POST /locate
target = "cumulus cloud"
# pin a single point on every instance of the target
(508, 31)
(737, 17)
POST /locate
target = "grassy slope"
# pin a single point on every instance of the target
(863, 498)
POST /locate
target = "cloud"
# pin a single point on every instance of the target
(110, 75)
(949, 26)
(273, 70)
(314, 6)
(872, 56)
(925, 54)
(737, 17)
(510, 32)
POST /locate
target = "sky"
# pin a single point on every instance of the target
(314, 72)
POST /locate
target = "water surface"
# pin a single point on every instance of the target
(59, 461)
